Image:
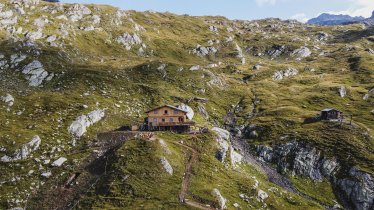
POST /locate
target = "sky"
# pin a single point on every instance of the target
(301, 10)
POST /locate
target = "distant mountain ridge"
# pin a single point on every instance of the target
(330, 19)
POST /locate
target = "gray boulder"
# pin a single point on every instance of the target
(204, 51)
(213, 29)
(221, 200)
(223, 139)
(166, 165)
(342, 91)
(59, 162)
(289, 72)
(369, 94)
(302, 52)
(25, 150)
(257, 67)
(15, 59)
(77, 12)
(3, 62)
(188, 109)
(79, 127)
(35, 73)
(34, 35)
(276, 51)
(8, 99)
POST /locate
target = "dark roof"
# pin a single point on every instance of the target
(170, 106)
(330, 109)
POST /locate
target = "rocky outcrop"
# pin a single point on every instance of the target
(221, 200)
(77, 12)
(59, 162)
(35, 73)
(235, 157)
(357, 187)
(25, 150)
(276, 51)
(299, 159)
(188, 109)
(195, 68)
(289, 72)
(128, 40)
(166, 165)
(204, 51)
(34, 35)
(302, 52)
(262, 195)
(369, 94)
(342, 91)
(15, 59)
(223, 140)
(79, 127)
(3, 62)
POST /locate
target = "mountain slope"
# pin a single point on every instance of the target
(69, 72)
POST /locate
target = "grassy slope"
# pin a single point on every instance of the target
(134, 83)
(137, 180)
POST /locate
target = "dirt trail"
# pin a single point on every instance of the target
(186, 180)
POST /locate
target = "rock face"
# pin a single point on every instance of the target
(25, 150)
(204, 51)
(8, 99)
(79, 127)
(35, 73)
(221, 200)
(165, 163)
(188, 109)
(223, 139)
(289, 72)
(128, 40)
(304, 160)
(357, 187)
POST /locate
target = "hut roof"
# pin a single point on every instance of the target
(170, 106)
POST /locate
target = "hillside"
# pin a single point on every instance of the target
(68, 72)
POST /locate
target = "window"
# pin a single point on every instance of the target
(154, 119)
(166, 112)
(155, 112)
(163, 119)
(171, 119)
(176, 111)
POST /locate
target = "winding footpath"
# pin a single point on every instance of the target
(186, 180)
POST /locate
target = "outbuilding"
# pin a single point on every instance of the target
(331, 114)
